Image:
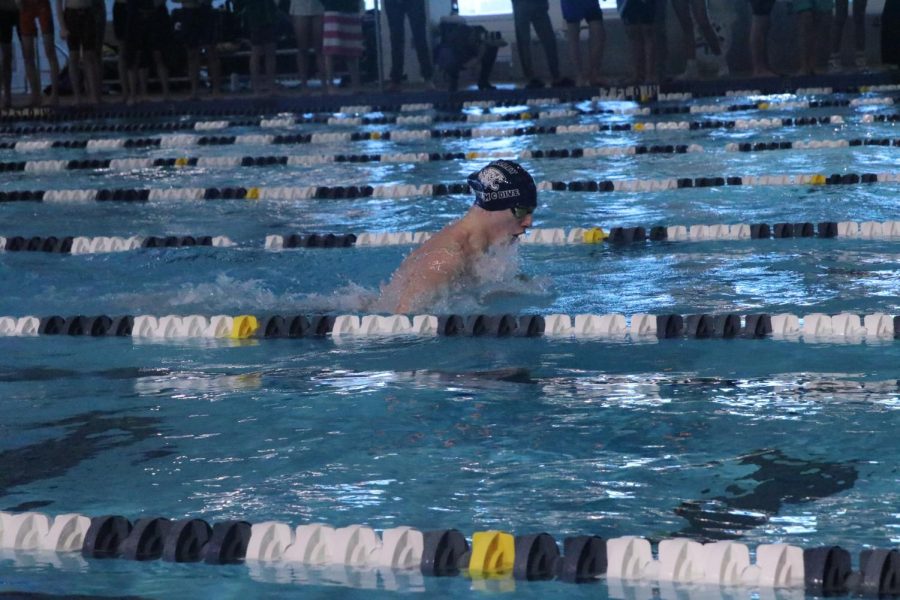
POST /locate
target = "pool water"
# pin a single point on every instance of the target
(759, 441)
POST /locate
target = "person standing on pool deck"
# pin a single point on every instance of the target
(505, 198)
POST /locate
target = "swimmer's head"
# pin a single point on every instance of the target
(504, 185)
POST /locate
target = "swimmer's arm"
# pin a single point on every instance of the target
(437, 273)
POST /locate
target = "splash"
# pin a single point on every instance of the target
(493, 277)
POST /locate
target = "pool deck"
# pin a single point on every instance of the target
(291, 101)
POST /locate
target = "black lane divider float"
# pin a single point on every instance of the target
(365, 136)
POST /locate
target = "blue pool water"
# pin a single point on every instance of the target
(759, 441)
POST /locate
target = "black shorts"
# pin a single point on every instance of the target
(762, 8)
(82, 26)
(148, 31)
(120, 22)
(574, 11)
(639, 12)
(198, 26)
(9, 19)
(262, 35)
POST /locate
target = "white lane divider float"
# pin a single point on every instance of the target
(689, 562)
(35, 531)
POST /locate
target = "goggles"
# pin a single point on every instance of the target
(520, 212)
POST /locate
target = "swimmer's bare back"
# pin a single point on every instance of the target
(430, 268)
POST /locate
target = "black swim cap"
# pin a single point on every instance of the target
(503, 184)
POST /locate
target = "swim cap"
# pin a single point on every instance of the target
(503, 184)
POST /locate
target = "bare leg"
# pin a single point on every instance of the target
(162, 72)
(215, 68)
(255, 55)
(329, 73)
(143, 83)
(759, 31)
(124, 76)
(635, 35)
(859, 31)
(807, 42)
(840, 20)
(838, 23)
(53, 62)
(91, 75)
(270, 68)
(353, 67)
(698, 9)
(595, 46)
(573, 41)
(75, 63)
(683, 12)
(317, 34)
(6, 56)
(651, 69)
(193, 65)
(31, 72)
(301, 33)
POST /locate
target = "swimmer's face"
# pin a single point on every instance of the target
(523, 218)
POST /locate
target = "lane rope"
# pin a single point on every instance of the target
(182, 141)
(229, 162)
(811, 328)
(409, 191)
(494, 554)
(865, 230)
(349, 116)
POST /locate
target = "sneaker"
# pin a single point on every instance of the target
(690, 71)
(722, 70)
(565, 82)
(834, 64)
(534, 84)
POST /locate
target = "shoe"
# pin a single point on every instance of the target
(723, 70)
(565, 82)
(534, 84)
(690, 71)
(834, 64)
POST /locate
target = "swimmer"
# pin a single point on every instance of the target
(505, 198)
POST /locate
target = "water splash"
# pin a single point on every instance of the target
(494, 277)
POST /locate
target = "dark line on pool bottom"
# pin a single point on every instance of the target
(42, 373)
(778, 480)
(88, 435)
(40, 596)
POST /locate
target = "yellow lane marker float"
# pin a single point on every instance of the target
(493, 554)
(595, 235)
(244, 327)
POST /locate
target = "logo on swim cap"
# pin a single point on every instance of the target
(491, 178)
(501, 185)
